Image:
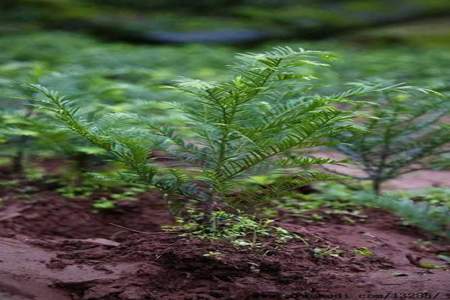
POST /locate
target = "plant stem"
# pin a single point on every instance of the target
(376, 186)
(17, 165)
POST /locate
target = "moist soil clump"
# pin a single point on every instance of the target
(55, 248)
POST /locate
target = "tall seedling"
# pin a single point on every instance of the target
(262, 121)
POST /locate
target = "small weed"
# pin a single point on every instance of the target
(433, 196)
(332, 200)
(71, 192)
(108, 202)
(429, 265)
(214, 254)
(9, 183)
(363, 251)
(104, 204)
(414, 210)
(445, 257)
(239, 229)
(27, 190)
(327, 252)
(34, 173)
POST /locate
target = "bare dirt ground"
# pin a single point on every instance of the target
(54, 248)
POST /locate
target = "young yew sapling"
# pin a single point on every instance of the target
(406, 131)
(261, 121)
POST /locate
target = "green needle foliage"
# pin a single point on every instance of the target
(261, 121)
(24, 133)
(406, 131)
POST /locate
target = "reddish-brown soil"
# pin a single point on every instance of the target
(55, 248)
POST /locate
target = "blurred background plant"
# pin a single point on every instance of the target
(405, 132)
